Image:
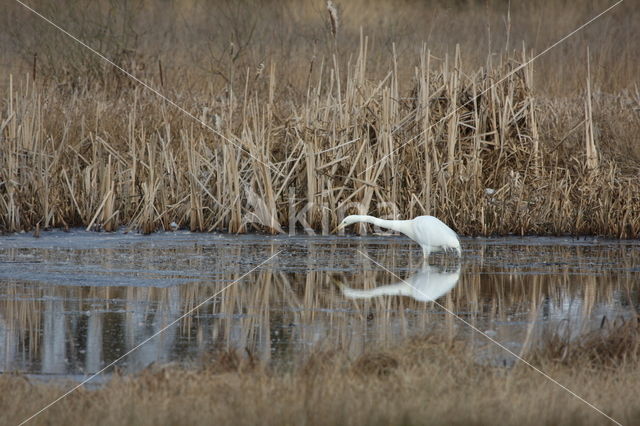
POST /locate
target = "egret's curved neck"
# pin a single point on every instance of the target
(403, 226)
(400, 289)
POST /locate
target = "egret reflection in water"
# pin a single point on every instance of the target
(427, 285)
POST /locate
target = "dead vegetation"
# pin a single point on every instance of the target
(426, 381)
(616, 342)
(395, 129)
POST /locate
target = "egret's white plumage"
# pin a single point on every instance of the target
(429, 284)
(430, 232)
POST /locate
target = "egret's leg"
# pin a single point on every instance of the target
(425, 252)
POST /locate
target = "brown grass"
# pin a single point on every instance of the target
(426, 381)
(324, 122)
(616, 342)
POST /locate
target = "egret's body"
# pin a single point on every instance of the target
(430, 232)
(429, 284)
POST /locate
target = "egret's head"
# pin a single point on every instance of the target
(346, 222)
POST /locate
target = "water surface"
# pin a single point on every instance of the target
(70, 303)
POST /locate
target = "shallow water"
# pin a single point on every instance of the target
(71, 303)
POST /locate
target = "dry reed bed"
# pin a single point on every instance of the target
(102, 160)
(425, 381)
(311, 120)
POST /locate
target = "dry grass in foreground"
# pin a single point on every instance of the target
(427, 381)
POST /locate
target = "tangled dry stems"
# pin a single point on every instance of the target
(462, 149)
(420, 382)
(476, 145)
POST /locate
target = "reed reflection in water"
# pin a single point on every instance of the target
(319, 295)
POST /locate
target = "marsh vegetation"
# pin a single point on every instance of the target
(250, 117)
(425, 108)
(421, 382)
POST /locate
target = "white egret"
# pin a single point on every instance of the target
(430, 232)
(429, 284)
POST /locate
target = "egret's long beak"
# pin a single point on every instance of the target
(337, 228)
